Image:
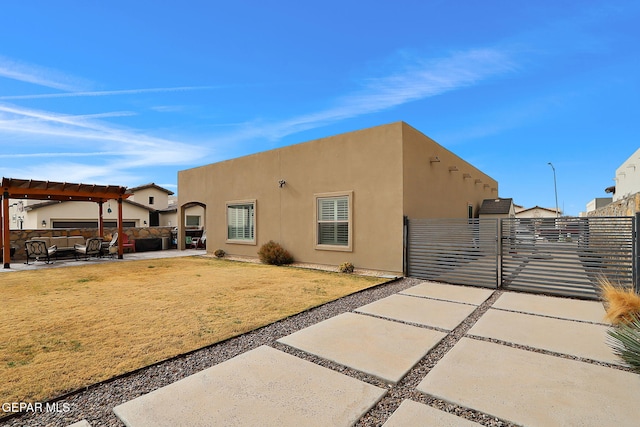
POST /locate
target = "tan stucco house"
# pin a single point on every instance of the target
(336, 199)
(148, 205)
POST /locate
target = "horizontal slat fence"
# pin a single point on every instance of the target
(559, 256)
(567, 256)
(456, 251)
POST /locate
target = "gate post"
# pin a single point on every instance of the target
(636, 253)
(498, 253)
(405, 246)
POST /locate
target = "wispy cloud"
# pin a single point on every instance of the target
(39, 75)
(125, 149)
(108, 92)
(417, 78)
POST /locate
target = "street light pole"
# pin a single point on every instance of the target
(555, 188)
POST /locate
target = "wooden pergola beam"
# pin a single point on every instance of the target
(59, 191)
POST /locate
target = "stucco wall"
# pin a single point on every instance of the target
(160, 198)
(431, 190)
(628, 177)
(366, 162)
(369, 163)
(76, 211)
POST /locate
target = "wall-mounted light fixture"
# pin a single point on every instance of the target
(44, 223)
(144, 222)
(281, 183)
(109, 208)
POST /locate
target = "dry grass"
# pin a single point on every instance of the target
(623, 305)
(70, 327)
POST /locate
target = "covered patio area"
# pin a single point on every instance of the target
(62, 192)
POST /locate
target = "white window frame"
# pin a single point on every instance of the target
(251, 241)
(341, 194)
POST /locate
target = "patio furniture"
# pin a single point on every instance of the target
(201, 242)
(38, 249)
(93, 246)
(64, 244)
(111, 248)
(126, 243)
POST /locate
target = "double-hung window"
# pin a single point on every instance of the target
(333, 221)
(241, 222)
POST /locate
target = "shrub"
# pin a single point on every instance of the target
(273, 253)
(346, 267)
(623, 311)
(219, 253)
(621, 304)
(624, 340)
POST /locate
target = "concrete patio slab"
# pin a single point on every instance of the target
(456, 293)
(264, 387)
(382, 348)
(411, 413)
(529, 388)
(562, 336)
(565, 308)
(423, 311)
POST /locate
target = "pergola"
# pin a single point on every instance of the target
(61, 191)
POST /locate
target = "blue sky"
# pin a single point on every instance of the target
(131, 92)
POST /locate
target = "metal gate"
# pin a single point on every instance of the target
(562, 256)
(567, 256)
(456, 251)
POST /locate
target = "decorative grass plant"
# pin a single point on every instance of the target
(623, 311)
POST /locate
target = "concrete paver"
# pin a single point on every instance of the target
(533, 389)
(269, 387)
(562, 336)
(565, 308)
(465, 294)
(415, 414)
(423, 311)
(382, 348)
(264, 387)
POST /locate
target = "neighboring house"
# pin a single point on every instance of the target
(497, 208)
(537, 212)
(335, 199)
(149, 205)
(625, 192)
(597, 203)
(627, 178)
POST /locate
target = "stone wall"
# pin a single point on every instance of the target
(18, 237)
(623, 207)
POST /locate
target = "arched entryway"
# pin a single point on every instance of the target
(192, 222)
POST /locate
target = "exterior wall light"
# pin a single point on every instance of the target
(44, 223)
(281, 183)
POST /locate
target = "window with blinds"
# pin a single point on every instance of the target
(241, 222)
(333, 221)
